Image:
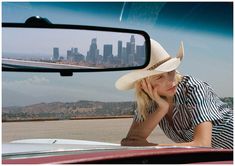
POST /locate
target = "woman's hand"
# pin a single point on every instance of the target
(139, 132)
(153, 94)
(136, 142)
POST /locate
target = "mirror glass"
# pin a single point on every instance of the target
(71, 49)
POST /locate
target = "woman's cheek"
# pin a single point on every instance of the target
(157, 88)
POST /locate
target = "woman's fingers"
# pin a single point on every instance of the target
(150, 88)
(144, 86)
(152, 92)
(155, 93)
(147, 87)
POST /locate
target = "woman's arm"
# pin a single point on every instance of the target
(139, 131)
(202, 136)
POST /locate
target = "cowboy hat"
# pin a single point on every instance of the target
(160, 62)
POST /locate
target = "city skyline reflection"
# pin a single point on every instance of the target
(128, 54)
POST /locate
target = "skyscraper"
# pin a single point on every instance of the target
(124, 57)
(93, 52)
(75, 50)
(140, 52)
(74, 56)
(55, 54)
(119, 50)
(133, 52)
(128, 53)
(108, 53)
(132, 41)
(69, 55)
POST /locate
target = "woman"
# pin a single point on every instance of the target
(186, 109)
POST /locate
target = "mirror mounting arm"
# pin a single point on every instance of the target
(38, 21)
(66, 73)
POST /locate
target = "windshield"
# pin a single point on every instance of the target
(87, 106)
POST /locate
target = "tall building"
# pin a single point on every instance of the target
(75, 50)
(132, 41)
(74, 56)
(93, 52)
(124, 57)
(119, 55)
(128, 53)
(108, 53)
(55, 54)
(69, 55)
(140, 52)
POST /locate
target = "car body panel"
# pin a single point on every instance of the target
(41, 151)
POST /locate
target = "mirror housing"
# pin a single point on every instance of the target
(40, 37)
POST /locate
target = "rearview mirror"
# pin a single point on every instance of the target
(72, 48)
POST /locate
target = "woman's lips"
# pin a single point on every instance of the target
(172, 88)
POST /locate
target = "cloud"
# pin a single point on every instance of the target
(34, 80)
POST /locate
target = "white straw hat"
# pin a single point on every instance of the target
(160, 62)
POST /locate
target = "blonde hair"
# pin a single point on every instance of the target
(143, 100)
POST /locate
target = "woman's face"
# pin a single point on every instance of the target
(165, 83)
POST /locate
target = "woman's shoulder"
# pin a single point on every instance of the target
(191, 85)
(190, 79)
(192, 82)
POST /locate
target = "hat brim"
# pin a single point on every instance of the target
(128, 81)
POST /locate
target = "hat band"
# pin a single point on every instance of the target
(158, 64)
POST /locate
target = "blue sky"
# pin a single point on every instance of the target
(208, 48)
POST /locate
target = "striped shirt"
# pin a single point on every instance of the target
(196, 102)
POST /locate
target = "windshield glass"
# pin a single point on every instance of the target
(87, 106)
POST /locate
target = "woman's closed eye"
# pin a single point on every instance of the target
(159, 77)
(156, 78)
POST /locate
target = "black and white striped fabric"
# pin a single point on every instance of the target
(196, 102)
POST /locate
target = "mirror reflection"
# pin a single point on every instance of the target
(66, 48)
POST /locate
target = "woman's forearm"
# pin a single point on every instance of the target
(192, 143)
(136, 142)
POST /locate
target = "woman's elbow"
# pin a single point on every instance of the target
(126, 142)
(123, 142)
(136, 142)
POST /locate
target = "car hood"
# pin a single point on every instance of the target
(34, 147)
(32, 151)
(44, 147)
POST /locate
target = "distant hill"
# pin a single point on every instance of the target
(74, 110)
(229, 101)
